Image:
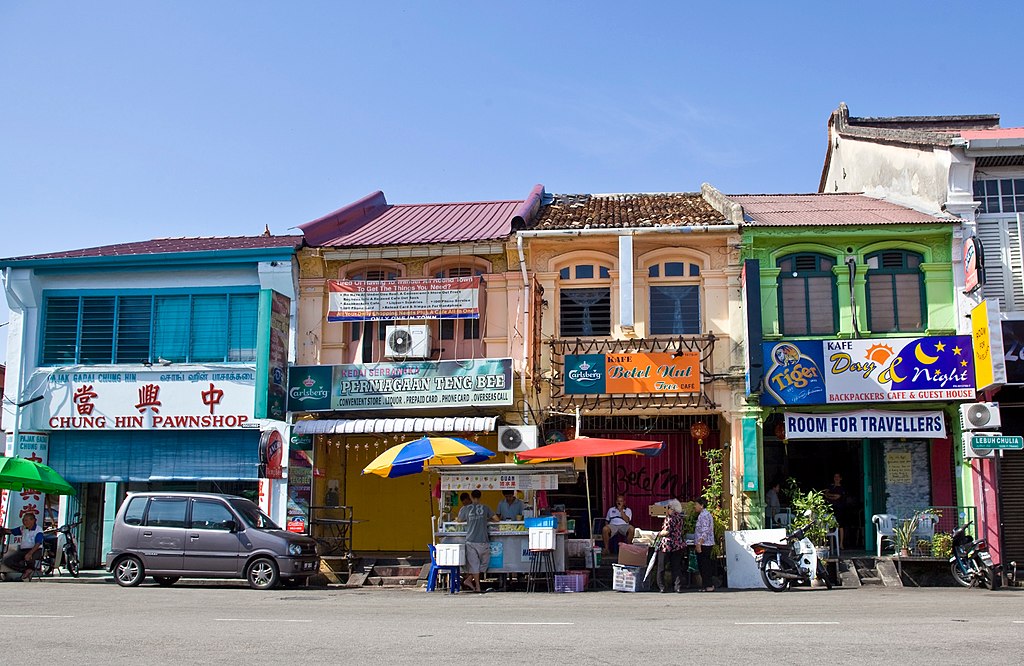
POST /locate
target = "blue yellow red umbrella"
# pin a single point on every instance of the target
(413, 457)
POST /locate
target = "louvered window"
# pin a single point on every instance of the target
(1000, 238)
(895, 292)
(674, 298)
(807, 295)
(100, 330)
(585, 312)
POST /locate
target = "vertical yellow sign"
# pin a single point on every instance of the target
(983, 371)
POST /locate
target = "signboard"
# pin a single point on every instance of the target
(1013, 350)
(632, 373)
(275, 373)
(823, 372)
(989, 365)
(14, 504)
(980, 441)
(753, 358)
(899, 468)
(974, 265)
(155, 400)
(441, 298)
(272, 454)
(865, 423)
(482, 482)
(400, 386)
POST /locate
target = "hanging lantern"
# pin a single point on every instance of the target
(699, 431)
(780, 430)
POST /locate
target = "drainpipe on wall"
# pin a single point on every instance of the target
(526, 320)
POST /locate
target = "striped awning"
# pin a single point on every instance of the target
(416, 426)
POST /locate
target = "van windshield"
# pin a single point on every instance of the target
(252, 515)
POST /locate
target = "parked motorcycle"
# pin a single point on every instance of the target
(971, 563)
(61, 550)
(789, 562)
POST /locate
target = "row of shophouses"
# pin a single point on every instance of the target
(804, 335)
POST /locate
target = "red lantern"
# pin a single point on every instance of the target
(780, 430)
(699, 431)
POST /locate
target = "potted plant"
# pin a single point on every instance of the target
(924, 547)
(903, 533)
(820, 512)
(942, 545)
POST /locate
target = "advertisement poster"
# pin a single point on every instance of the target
(820, 372)
(399, 386)
(14, 504)
(632, 373)
(440, 298)
(280, 306)
(300, 487)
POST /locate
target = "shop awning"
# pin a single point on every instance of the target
(423, 426)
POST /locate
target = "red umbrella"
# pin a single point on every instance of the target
(591, 447)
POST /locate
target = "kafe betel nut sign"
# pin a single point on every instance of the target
(632, 373)
(824, 372)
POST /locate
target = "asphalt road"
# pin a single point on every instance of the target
(230, 624)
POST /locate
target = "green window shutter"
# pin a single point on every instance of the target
(209, 329)
(96, 337)
(60, 330)
(170, 328)
(134, 321)
(243, 315)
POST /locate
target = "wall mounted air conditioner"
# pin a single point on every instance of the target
(409, 341)
(970, 451)
(980, 416)
(517, 438)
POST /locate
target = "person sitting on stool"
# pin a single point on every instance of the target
(618, 521)
(24, 558)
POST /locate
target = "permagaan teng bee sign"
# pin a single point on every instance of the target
(822, 372)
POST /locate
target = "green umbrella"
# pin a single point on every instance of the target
(22, 474)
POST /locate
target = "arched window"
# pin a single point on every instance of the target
(895, 292)
(807, 294)
(674, 289)
(584, 300)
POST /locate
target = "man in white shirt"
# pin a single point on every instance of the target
(24, 557)
(619, 521)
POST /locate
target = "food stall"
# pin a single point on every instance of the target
(510, 551)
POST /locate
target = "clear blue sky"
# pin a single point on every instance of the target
(132, 120)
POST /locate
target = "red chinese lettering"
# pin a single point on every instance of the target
(83, 399)
(30, 494)
(29, 509)
(149, 397)
(212, 397)
(34, 458)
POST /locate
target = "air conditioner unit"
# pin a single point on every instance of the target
(517, 438)
(980, 415)
(969, 449)
(410, 341)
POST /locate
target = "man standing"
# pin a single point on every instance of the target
(510, 507)
(478, 543)
(618, 520)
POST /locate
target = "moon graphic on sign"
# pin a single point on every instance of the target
(924, 358)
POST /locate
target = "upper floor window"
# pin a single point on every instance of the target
(470, 327)
(366, 332)
(1000, 195)
(895, 292)
(807, 295)
(585, 300)
(200, 328)
(674, 298)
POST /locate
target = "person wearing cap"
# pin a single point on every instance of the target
(24, 558)
(510, 507)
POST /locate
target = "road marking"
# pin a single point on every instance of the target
(523, 623)
(775, 623)
(41, 616)
(253, 619)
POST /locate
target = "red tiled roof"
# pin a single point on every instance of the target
(372, 221)
(1001, 133)
(784, 210)
(173, 246)
(619, 211)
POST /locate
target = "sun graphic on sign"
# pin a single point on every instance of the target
(878, 353)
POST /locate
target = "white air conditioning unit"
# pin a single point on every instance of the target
(980, 416)
(410, 341)
(517, 438)
(971, 451)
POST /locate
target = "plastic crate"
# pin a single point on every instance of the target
(625, 578)
(570, 583)
(543, 521)
(450, 554)
(584, 573)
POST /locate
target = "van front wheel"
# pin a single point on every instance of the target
(129, 572)
(262, 574)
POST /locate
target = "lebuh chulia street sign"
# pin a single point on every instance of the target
(997, 442)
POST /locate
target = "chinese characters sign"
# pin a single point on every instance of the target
(149, 400)
(32, 446)
(442, 298)
(819, 372)
(393, 386)
(499, 482)
(655, 372)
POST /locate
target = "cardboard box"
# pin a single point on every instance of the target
(657, 510)
(633, 554)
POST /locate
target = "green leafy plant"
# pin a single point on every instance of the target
(942, 545)
(714, 495)
(821, 512)
(903, 533)
(924, 546)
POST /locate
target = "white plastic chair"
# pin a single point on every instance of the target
(833, 537)
(884, 525)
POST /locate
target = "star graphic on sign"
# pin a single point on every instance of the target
(940, 346)
(956, 351)
(963, 363)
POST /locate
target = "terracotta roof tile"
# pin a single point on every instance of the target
(172, 245)
(783, 210)
(618, 211)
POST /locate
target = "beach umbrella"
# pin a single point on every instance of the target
(21, 474)
(415, 456)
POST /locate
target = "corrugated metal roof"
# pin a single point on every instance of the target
(777, 210)
(1000, 133)
(618, 211)
(424, 426)
(172, 246)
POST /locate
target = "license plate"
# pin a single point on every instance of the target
(307, 566)
(985, 558)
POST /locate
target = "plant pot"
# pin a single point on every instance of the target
(904, 552)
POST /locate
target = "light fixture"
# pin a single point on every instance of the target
(699, 430)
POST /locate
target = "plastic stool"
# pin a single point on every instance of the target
(542, 563)
(453, 573)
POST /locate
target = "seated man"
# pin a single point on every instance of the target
(618, 521)
(24, 557)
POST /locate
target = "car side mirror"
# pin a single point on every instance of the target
(229, 525)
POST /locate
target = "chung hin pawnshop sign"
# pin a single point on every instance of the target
(827, 372)
(865, 423)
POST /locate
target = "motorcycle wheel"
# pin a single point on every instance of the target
(959, 576)
(771, 580)
(823, 575)
(45, 567)
(73, 566)
(991, 579)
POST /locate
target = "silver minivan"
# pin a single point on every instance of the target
(205, 535)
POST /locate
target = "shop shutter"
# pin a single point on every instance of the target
(1011, 497)
(199, 455)
(1004, 267)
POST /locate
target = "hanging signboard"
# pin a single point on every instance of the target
(398, 386)
(378, 300)
(865, 423)
(974, 265)
(482, 482)
(632, 373)
(989, 362)
(820, 372)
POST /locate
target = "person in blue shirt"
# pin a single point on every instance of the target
(24, 558)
